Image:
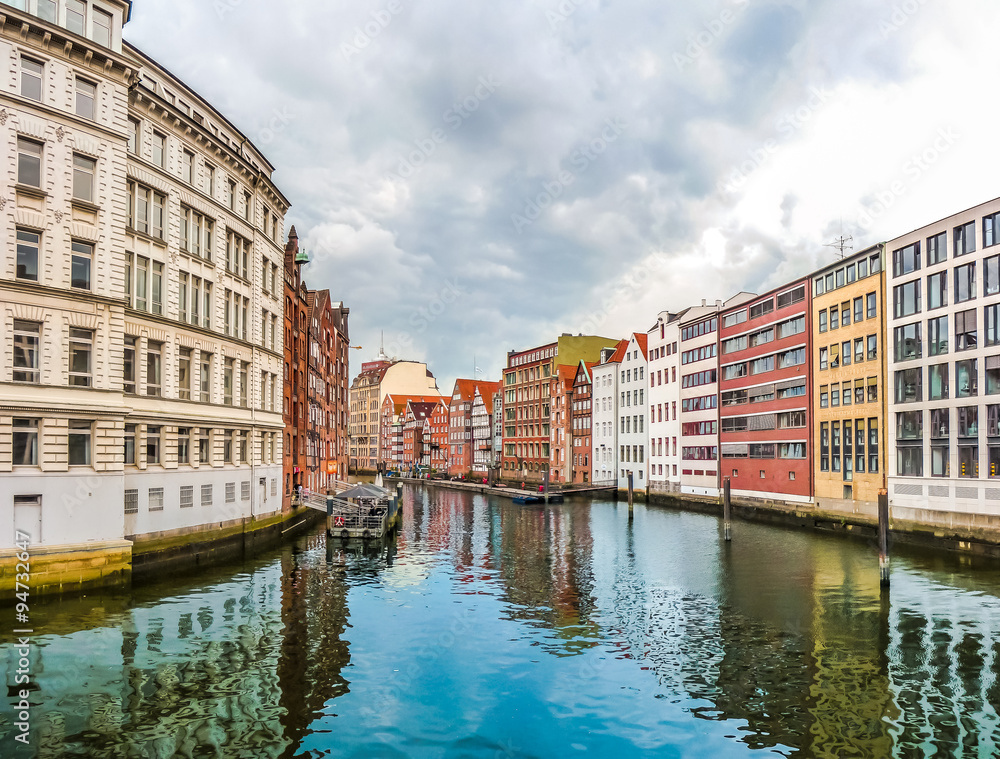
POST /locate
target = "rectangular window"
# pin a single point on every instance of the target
(992, 375)
(906, 260)
(210, 180)
(102, 23)
(227, 382)
(910, 425)
(80, 434)
(205, 378)
(81, 347)
(28, 244)
(910, 461)
(130, 444)
(84, 170)
(968, 421)
(940, 464)
(937, 290)
(129, 366)
(834, 318)
(966, 332)
(154, 369)
(906, 299)
(29, 163)
(159, 149)
(937, 248)
(32, 73)
(937, 336)
(184, 445)
(184, 374)
(859, 350)
(86, 98)
(26, 341)
(81, 258)
(187, 496)
(133, 136)
(968, 461)
(967, 378)
(992, 325)
(937, 382)
(25, 442)
(76, 17)
(965, 239)
(909, 385)
(906, 340)
(872, 305)
(845, 314)
(965, 282)
(187, 166)
(822, 321)
(859, 309)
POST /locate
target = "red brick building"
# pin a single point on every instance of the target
(296, 403)
(327, 441)
(561, 392)
(416, 418)
(316, 382)
(460, 443)
(765, 372)
(440, 424)
(392, 419)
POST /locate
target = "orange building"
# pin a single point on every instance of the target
(562, 424)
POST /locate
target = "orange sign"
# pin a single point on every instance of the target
(331, 467)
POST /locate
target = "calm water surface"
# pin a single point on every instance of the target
(489, 630)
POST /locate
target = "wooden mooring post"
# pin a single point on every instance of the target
(631, 494)
(545, 485)
(883, 537)
(727, 510)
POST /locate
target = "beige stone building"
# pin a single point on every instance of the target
(141, 360)
(377, 380)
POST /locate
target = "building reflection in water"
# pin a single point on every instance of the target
(783, 634)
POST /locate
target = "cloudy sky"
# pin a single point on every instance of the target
(473, 177)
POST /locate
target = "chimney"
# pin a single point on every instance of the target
(704, 302)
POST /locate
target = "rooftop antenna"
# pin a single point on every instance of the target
(841, 243)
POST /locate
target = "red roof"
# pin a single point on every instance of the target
(619, 354)
(643, 339)
(466, 389)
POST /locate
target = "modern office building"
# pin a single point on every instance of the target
(140, 389)
(848, 393)
(764, 377)
(943, 284)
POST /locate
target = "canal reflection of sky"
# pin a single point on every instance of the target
(491, 630)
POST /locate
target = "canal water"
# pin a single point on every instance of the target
(488, 630)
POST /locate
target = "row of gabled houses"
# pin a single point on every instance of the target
(878, 371)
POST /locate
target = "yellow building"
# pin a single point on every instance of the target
(848, 325)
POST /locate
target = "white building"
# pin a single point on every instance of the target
(633, 429)
(699, 404)
(604, 456)
(664, 403)
(943, 284)
(141, 370)
(482, 432)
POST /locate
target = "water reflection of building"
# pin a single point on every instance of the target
(226, 666)
(312, 648)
